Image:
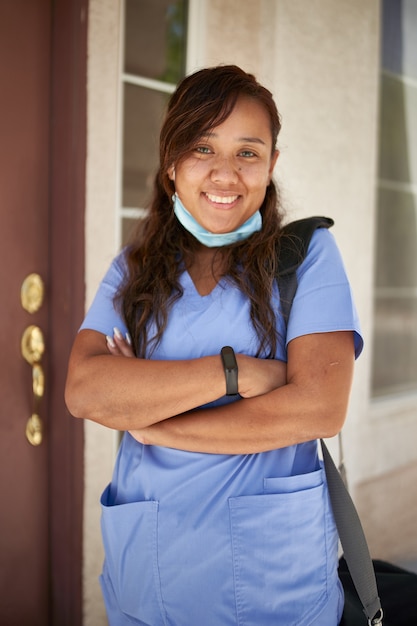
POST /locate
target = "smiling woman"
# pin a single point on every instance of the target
(228, 469)
(223, 181)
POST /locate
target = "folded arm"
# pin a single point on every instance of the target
(132, 394)
(312, 404)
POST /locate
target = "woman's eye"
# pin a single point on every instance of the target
(203, 149)
(247, 153)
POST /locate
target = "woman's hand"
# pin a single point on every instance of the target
(259, 376)
(119, 345)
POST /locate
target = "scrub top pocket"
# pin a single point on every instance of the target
(281, 551)
(130, 543)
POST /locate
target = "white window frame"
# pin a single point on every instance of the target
(194, 50)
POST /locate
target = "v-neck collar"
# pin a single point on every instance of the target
(188, 282)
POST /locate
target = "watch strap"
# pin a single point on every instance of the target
(230, 370)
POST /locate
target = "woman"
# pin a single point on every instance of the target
(218, 511)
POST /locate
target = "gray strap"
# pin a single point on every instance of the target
(352, 538)
(341, 467)
(292, 250)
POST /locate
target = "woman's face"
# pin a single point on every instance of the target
(223, 181)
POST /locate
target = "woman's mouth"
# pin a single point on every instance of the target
(221, 199)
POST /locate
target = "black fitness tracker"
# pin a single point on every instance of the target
(230, 370)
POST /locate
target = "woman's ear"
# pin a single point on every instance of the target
(274, 160)
(171, 172)
(272, 164)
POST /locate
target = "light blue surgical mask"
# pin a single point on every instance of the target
(214, 240)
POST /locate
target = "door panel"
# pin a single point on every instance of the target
(24, 212)
(42, 135)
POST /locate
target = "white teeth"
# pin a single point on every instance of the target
(221, 199)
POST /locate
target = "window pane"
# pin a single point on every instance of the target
(128, 227)
(395, 324)
(392, 36)
(396, 260)
(395, 334)
(395, 346)
(155, 35)
(143, 114)
(398, 131)
(399, 42)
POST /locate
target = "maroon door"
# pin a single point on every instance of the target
(40, 446)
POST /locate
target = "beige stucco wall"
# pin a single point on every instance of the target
(326, 84)
(321, 60)
(101, 241)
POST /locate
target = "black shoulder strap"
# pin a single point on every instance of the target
(291, 252)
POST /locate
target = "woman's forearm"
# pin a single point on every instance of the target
(312, 404)
(129, 393)
(125, 393)
(275, 420)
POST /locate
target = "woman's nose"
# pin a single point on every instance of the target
(224, 170)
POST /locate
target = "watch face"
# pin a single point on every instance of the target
(229, 358)
(230, 370)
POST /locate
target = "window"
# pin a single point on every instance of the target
(395, 335)
(153, 62)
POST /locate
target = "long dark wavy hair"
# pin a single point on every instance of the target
(161, 247)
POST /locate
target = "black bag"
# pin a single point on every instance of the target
(398, 591)
(364, 581)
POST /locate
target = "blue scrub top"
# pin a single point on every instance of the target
(209, 539)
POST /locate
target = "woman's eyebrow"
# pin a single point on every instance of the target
(242, 139)
(252, 140)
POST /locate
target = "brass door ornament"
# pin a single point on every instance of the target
(34, 430)
(33, 348)
(33, 345)
(32, 293)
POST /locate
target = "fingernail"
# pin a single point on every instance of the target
(128, 339)
(117, 333)
(110, 341)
